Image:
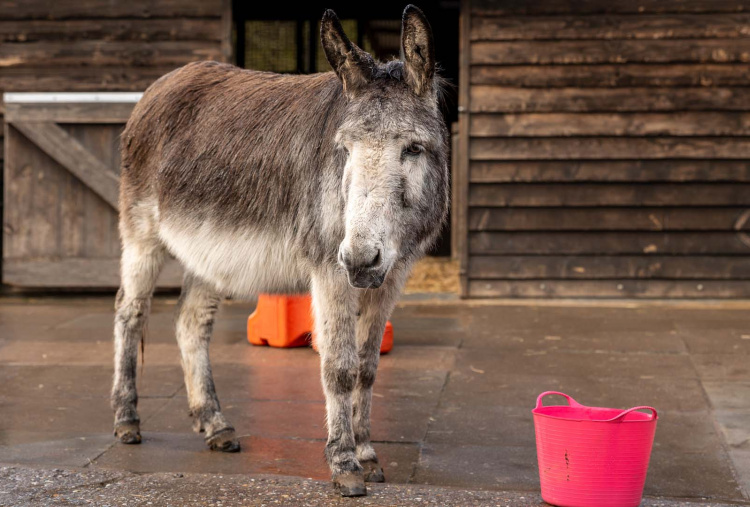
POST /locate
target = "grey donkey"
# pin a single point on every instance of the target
(333, 183)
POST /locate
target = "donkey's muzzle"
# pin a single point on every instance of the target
(363, 271)
(370, 279)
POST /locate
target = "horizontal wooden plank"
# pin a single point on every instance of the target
(67, 9)
(534, 100)
(555, 7)
(111, 29)
(674, 26)
(69, 113)
(116, 78)
(614, 171)
(605, 75)
(610, 51)
(647, 289)
(609, 219)
(70, 154)
(726, 123)
(609, 243)
(555, 267)
(78, 273)
(102, 53)
(606, 148)
(609, 194)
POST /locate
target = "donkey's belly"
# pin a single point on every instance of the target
(238, 263)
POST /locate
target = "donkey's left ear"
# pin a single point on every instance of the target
(417, 50)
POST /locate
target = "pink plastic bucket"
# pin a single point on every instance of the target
(590, 456)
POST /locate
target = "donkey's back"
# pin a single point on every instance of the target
(214, 135)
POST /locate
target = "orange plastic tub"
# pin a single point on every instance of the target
(287, 321)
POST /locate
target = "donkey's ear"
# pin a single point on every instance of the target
(417, 50)
(353, 66)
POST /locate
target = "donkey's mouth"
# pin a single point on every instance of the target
(367, 279)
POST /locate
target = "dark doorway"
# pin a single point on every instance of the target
(279, 37)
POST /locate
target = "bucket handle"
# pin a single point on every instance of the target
(571, 401)
(574, 403)
(622, 414)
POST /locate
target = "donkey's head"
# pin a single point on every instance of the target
(394, 143)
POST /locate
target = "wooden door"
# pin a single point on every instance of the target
(62, 170)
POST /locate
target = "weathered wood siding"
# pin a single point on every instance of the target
(608, 147)
(101, 45)
(57, 230)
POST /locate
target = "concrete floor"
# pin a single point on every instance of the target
(451, 404)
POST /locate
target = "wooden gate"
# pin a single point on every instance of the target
(62, 165)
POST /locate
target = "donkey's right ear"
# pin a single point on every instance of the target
(352, 65)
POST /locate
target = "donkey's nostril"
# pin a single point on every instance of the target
(357, 261)
(375, 261)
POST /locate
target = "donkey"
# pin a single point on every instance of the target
(333, 183)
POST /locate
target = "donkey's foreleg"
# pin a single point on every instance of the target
(375, 307)
(334, 303)
(197, 308)
(140, 266)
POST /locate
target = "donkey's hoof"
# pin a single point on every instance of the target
(373, 471)
(224, 441)
(128, 433)
(350, 484)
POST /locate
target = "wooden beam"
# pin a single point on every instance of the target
(81, 79)
(722, 218)
(609, 243)
(607, 75)
(609, 194)
(72, 9)
(69, 153)
(608, 27)
(456, 184)
(29, 30)
(542, 100)
(464, 111)
(78, 272)
(104, 53)
(609, 148)
(570, 171)
(616, 51)
(69, 113)
(563, 7)
(225, 31)
(702, 123)
(594, 267)
(672, 289)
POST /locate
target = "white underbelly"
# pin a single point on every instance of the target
(242, 263)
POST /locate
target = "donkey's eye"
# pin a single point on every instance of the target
(413, 149)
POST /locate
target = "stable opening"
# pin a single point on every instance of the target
(276, 38)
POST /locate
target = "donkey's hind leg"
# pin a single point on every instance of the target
(195, 320)
(141, 263)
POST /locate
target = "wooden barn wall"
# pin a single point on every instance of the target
(104, 45)
(607, 148)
